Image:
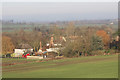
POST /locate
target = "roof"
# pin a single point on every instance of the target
(24, 46)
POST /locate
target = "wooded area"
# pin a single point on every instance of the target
(88, 40)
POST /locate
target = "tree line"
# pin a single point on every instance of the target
(79, 40)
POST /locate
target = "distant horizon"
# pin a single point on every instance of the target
(54, 21)
(58, 11)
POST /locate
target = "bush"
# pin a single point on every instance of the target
(112, 51)
(97, 52)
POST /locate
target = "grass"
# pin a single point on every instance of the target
(82, 67)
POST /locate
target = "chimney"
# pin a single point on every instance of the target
(40, 45)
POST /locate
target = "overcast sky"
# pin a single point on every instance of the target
(59, 11)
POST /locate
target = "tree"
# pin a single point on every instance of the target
(34, 39)
(85, 43)
(7, 45)
(70, 30)
(54, 30)
(105, 37)
(82, 43)
(97, 43)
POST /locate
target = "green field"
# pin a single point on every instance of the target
(82, 67)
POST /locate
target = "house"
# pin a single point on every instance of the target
(22, 48)
(52, 49)
(55, 45)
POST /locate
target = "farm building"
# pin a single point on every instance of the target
(47, 52)
(55, 45)
(21, 50)
(24, 46)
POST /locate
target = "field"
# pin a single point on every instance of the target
(82, 67)
(10, 27)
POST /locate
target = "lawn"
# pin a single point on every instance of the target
(82, 67)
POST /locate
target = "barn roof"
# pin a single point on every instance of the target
(24, 46)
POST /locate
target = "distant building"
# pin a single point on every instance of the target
(55, 45)
(111, 23)
(24, 46)
(21, 50)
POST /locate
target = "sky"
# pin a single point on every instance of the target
(58, 11)
(59, 0)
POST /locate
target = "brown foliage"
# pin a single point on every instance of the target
(105, 37)
(7, 45)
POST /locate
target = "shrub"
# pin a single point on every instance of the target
(97, 52)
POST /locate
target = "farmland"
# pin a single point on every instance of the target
(9, 27)
(59, 40)
(81, 67)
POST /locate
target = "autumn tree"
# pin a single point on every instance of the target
(7, 45)
(105, 37)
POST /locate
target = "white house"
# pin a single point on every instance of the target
(52, 49)
(20, 52)
(54, 44)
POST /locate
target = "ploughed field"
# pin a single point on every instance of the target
(82, 67)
